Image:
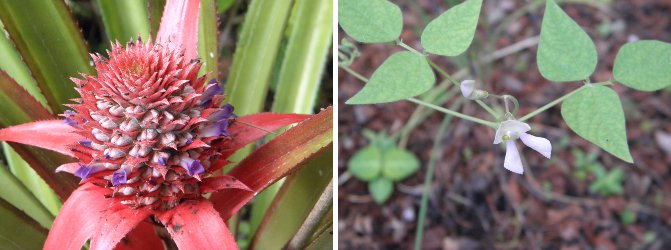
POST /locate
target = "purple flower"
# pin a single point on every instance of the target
(213, 89)
(71, 122)
(119, 177)
(83, 171)
(192, 166)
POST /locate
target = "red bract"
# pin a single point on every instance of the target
(151, 138)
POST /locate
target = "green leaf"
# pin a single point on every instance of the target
(16, 193)
(20, 107)
(18, 231)
(292, 204)
(627, 217)
(380, 189)
(208, 44)
(609, 184)
(124, 19)
(565, 51)
(399, 164)
(322, 241)
(452, 32)
(50, 44)
(33, 182)
(11, 63)
(403, 75)
(595, 113)
(155, 11)
(306, 53)
(370, 21)
(366, 164)
(644, 65)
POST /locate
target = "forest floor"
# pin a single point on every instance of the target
(474, 203)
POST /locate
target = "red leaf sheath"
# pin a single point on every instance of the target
(196, 225)
(117, 220)
(179, 26)
(274, 160)
(78, 218)
(250, 128)
(141, 237)
(54, 135)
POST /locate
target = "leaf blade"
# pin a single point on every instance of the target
(274, 160)
(451, 33)
(50, 67)
(18, 230)
(595, 113)
(644, 65)
(403, 75)
(124, 19)
(371, 21)
(565, 52)
(196, 225)
(179, 26)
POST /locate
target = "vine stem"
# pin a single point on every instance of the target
(560, 99)
(454, 81)
(429, 105)
(428, 179)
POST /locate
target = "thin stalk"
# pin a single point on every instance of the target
(455, 113)
(454, 81)
(560, 99)
(407, 47)
(428, 179)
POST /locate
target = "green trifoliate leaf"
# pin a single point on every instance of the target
(370, 21)
(595, 113)
(565, 51)
(403, 75)
(399, 164)
(644, 65)
(366, 164)
(452, 32)
(380, 189)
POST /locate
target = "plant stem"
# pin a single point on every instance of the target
(428, 179)
(551, 104)
(407, 47)
(354, 73)
(454, 81)
(454, 113)
(560, 99)
(429, 105)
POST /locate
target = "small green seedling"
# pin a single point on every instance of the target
(380, 164)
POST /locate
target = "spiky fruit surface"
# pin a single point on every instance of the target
(153, 127)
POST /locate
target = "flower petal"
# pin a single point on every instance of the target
(467, 87)
(54, 135)
(118, 220)
(119, 177)
(211, 90)
(179, 26)
(512, 161)
(78, 218)
(540, 144)
(512, 126)
(196, 225)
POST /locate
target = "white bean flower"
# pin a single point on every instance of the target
(511, 130)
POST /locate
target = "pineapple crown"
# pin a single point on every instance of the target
(153, 128)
